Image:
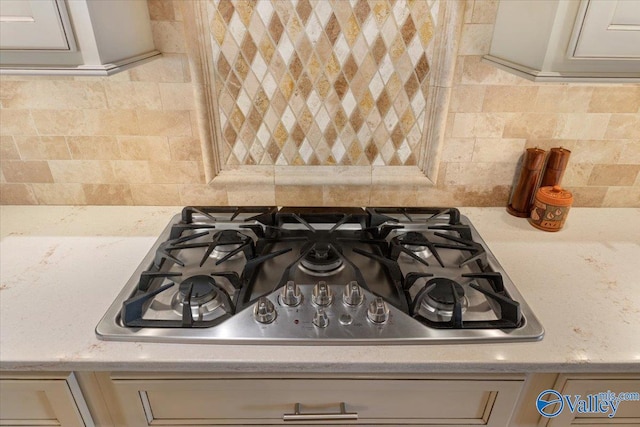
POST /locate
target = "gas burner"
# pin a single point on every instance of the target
(222, 251)
(414, 242)
(321, 260)
(437, 300)
(416, 246)
(204, 300)
(228, 244)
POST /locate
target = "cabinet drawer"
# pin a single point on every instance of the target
(628, 413)
(46, 401)
(266, 401)
(34, 25)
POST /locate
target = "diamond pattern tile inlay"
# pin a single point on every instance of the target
(317, 82)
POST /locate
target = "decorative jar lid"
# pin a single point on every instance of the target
(555, 195)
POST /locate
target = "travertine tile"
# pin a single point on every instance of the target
(56, 94)
(8, 148)
(161, 10)
(107, 194)
(509, 98)
(8, 89)
(491, 124)
(467, 125)
(467, 98)
(164, 123)
(597, 152)
(251, 195)
(582, 126)
(144, 148)
(17, 194)
(185, 148)
(480, 195)
(458, 149)
(587, 197)
(168, 36)
(623, 126)
(630, 153)
(484, 11)
(203, 194)
(26, 171)
(624, 99)
(312, 175)
(435, 196)
(176, 172)
(395, 195)
(622, 197)
(42, 147)
(93, 147)
(498, 150)
(111, 122)
(59, 194)
(576, 175)
(168, 68)
(82, 171)
(132, 171)
(60, 122)
(155, 194)
(125, 95)
(299, 195)
(476, 72)
(474, 173)
(531, 125)
(16, 122)
(614, 175)
(468, 11)
(563, 99)
(177, 96)
(475, 39)
(313, 62)
(346, 195)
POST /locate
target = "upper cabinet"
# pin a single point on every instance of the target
(568, 40)
(73, 37)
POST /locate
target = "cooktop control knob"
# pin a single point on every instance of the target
(322, 294)
(320, 319)
(291, 294)
(264, 311)
(352, 294)
(378, 311)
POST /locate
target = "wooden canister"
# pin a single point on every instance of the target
(550, 208)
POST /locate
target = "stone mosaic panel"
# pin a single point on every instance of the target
(304, 82)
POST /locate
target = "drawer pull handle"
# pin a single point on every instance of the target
(299, 416)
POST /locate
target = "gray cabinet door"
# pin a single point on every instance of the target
(33, 25)
(608, 29)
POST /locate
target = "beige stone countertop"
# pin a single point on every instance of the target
(61, 267)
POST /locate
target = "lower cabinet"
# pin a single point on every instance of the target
(139, 399)
(453, 401)
(42, 399)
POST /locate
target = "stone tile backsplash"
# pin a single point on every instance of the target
(133, 138)
(321, 83)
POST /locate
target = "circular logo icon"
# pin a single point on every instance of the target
(545, 406)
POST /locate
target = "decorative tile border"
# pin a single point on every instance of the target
(212, 126)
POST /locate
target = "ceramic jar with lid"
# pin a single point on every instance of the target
(550, 208)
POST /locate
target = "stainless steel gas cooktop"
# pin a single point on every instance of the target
(267, 275)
